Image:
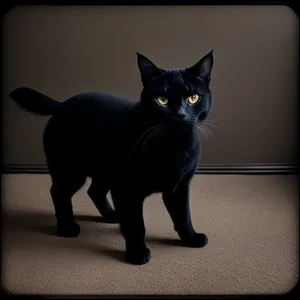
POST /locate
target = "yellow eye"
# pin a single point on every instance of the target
(194, 99)
(162, 100)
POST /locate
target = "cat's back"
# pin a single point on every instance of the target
(98, 105)
(87, 128)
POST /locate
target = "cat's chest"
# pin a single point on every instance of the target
(156, 160)
(163, 169)
(154, 157)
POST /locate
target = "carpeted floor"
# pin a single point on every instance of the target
(251, 223)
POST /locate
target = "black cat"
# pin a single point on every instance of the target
(132, 149)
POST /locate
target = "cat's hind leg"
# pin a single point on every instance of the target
(64, 186)
(98, 193)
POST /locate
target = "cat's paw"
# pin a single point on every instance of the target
(110, 218)
(138, 256)
(68, 230)
(197, 240)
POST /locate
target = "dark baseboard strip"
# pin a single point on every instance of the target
(204, 169)
(249, 169)
(24, 170)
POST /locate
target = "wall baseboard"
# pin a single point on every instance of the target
(202, 169)
(248, 169)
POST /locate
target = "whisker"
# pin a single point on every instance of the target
(159, 135)
(213, 137)
(210, 124)
(194, 132)
(150, 132)
(209, 121)
(201, 130)
(147, 139)
(142, 125)
(208, 134)
(141, 138)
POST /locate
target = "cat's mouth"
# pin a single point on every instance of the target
(179, 125)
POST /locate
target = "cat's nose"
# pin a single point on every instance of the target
(179, 117)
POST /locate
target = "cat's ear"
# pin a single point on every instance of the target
(147, 69)
(202, 69)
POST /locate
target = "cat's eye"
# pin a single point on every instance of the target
(162, 100)
(193, 99)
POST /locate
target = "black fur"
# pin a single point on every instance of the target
(132, 149)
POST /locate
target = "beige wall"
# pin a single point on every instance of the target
(62, 51)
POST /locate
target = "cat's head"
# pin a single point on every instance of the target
(177, 96)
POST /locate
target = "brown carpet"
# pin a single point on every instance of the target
(251, 223)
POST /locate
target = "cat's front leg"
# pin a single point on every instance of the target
(177, 204)
(129, 210)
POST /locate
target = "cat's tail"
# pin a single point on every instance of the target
(34, 101)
